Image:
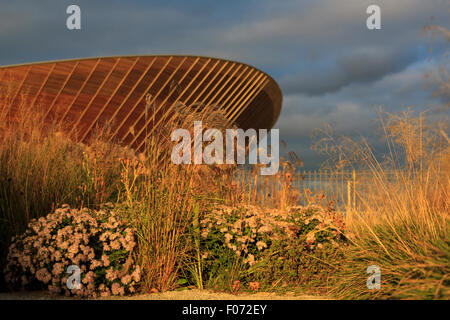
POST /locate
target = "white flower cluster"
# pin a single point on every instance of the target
(95, 241)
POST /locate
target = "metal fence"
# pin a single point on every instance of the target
(345, 188)
(336, 186)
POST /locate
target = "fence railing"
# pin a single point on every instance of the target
(343, 187)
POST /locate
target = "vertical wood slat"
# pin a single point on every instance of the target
(250, 99)
(240, 87)
(61, 89)
(244, 89)
(180, 96)
(204, 111)
(224, 75)
(173, 104)
(210, 102)
(159, 107)
(144, 73)
(201, 82)
(21, 84)
(3, 74)
(252, 83)
(176, 100)
(73, 84)
(254, 86)
(147, 89)
(152, 100)
(80, 90)
(109, 99)
(44, 83)
(100, 87)
(150, 85)
(209, 83)
(186, 101)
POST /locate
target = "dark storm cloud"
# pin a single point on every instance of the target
(364, 66)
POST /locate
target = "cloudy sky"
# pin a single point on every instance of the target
(330, 67)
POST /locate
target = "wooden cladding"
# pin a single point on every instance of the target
(84, 93)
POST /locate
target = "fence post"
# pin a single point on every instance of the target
(309, 181)
(320, 181)
(342, 185)
(354, 190)
(315, 181)
(349, 203)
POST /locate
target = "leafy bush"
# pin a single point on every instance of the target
(251, 244)
(41, 168)
(95, 241)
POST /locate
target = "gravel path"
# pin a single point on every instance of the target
(193, 294)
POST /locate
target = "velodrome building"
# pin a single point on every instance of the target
(87, 92)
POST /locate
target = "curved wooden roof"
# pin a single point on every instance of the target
(86, 92)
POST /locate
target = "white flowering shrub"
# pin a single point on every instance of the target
(95, 241)
(261, 245)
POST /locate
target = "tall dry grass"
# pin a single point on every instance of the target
(402, 225)
(163, 200)
(158, 202)
(41, 168)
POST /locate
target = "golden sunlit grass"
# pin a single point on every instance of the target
(41, 168)
(402, 222)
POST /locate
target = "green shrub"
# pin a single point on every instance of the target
(41, 169)
(269, 247)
